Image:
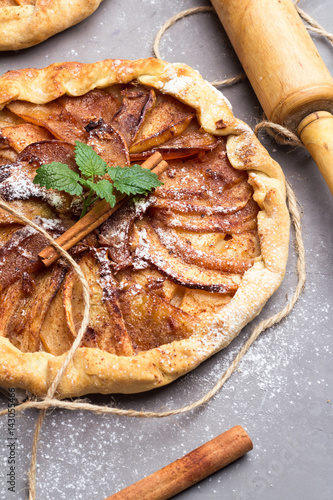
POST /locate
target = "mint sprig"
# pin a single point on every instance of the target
(88, 161)
(58, 176)
(127, 180)
(133, 180)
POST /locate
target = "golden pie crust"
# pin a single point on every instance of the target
(24, 23)
(228, 307)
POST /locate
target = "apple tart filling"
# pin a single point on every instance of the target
(160, 263)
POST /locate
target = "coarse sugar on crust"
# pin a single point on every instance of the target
(226, 300)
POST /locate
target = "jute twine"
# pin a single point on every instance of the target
(172, 21)
(282, 135)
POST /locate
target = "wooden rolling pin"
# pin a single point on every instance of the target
(289, 77)
(190, 469)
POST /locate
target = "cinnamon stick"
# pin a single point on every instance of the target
(190, 469)
(95, 217)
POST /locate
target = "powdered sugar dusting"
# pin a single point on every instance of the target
(19, 186)
(178, 84)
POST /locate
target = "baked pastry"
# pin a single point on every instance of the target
(173, 277)
(24, 23)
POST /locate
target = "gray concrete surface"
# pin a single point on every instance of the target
(281, 393)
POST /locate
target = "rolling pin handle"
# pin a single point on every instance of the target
(316, 133)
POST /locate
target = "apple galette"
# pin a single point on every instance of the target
(24, 23)
(174, 275)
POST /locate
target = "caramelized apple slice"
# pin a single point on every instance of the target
(16, 183)
(203, 199)
(20, 136)
(106, 329)
(47, 284)
(204, 185)
(189, 143)
(202, 302)
(150, 320)
(169, 118)
(30, 299)
(7, 155)
(92, 106)
(39, 153)
(212, 169)
(115, 233)
(243, 220)
(184, 243)
(54, 332)
(53, 117)
(193, 137)
(6, 232)
(31, 208)
(243, 246)
(8, 119)
(137, 103)
(167, 154)
(151, 250)
(20, 253)
(9, 301)
(108, 143)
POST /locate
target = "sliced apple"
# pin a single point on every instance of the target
(203, 199)
(92, 106)
(25, 304)
(204, 185)
(13, 315)
(47, 284)
(30, 208)
(54, 332)
(7, 155)
(17, 184)
(8, 119)
(151, 250)
(167, 154)
(201, 302)
(115, 234)
(168, 119)
(6, 232)
(20, 253)
(137, 103)
(9, 301)
(192, 141)
(53, 117)
(150, 320)
(200, 250)
(243, 220)
(241, 246)
(106, 329)
(20, 136)
(193, 137)
(39, 153)
(108, 143)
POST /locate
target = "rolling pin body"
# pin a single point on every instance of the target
(284, 68)
(279, 57)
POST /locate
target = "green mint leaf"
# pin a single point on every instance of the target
(104, 190)
(88, 161)
(86, 183)
(58, 176)
(133, 180)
